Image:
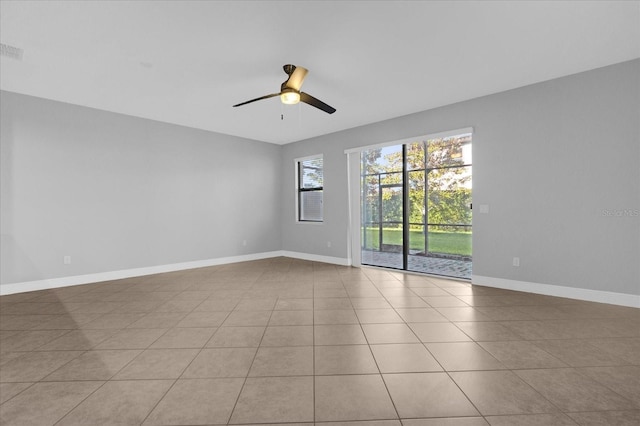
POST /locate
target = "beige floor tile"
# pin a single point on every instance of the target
(203, 319)
(333, 303)
(352, 397)
(578, 353)
(220, 362)
(275, 400)
(186, 337)
(158, 320)
(158, 364)
(30, 340)
(248, 318)
(446, 421)
(266, 304)
(624, 380)
(444, 301)
(487, 331)
(363, 292)
(237, 337)
(572, 391)
(45, 403)
(20, 322)
(345, 359)
(9, 390)
(430, 291)
(607, 418)
(463, 313)
(68, 321)
(389, 333)
(365, 423)
(294, 335)
(178, 306)
(402, 291)
(503, 313)
(9, 356)
(427, 395)
(77, 340)
(285, 304)
(216, 304)
(94, 365)
(421, 315)
(480, 300)
(291, 318)
(501, 393)
(33, 366)
(370, 302)
(192, 295)
(283, 361)
(197, 401)
(344, 334)
(557, 419)
(132, 338)
(545, 312)
(378, 316)
(404, 358)
(330, 292)
(628, 348)
(113, 321)
(407, 302)
(438, 332)
(118, 402)
(518, 354)
(335, 316)
(143, 306)
(536, 330)
(463, 356)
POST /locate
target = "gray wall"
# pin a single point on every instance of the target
(116, 192)
(557, 163)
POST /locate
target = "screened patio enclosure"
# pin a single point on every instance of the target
(416, 206)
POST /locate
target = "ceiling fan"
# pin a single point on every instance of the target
(290, 91)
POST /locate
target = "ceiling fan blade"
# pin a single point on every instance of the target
(296, 78)
(258, 99)
(308, 99)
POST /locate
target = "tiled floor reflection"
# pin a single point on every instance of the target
(290, 341)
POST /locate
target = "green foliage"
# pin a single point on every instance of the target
(447, 185)
(456, 243)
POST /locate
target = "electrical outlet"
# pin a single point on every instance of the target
(244, 242)
(516, 261)
(67, 260)
(329, 244)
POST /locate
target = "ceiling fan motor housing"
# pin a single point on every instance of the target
(289, 69)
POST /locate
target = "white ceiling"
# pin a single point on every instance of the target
(188, 62)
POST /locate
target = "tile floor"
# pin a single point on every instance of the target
(289, 341)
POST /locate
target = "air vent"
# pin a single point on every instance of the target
(11, 51)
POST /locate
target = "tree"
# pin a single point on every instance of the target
(448, 177)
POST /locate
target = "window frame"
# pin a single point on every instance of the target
(298, 162)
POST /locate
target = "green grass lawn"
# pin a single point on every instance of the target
(439, 241)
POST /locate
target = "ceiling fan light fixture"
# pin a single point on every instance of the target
(290, 97)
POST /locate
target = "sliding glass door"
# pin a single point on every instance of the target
(416, 206)
(382, 207)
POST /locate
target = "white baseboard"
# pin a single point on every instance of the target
(317, 258)
(622, 299)
(51, 283)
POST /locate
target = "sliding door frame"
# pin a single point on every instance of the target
(354, 188)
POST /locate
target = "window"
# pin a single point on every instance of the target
(309, 187)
